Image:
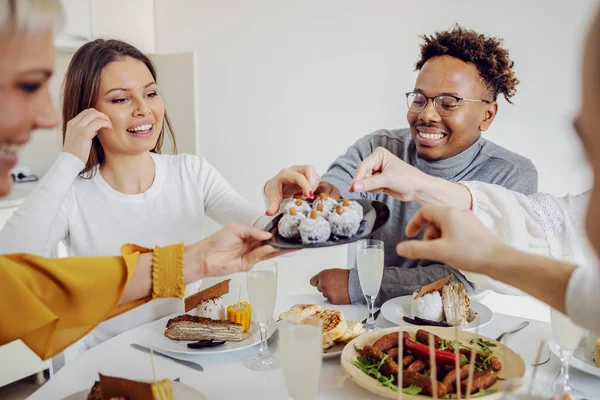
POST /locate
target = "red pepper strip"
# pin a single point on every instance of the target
(441, 356)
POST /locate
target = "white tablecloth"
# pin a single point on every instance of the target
(225, 376)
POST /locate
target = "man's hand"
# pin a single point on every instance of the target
(454, 237)
(333, 283)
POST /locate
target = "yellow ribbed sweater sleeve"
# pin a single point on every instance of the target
(51, 303)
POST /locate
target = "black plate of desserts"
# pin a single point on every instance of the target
(375, 215)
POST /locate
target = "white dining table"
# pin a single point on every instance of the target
(225, 376)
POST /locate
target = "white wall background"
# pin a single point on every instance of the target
(282, 83)
(298, 81)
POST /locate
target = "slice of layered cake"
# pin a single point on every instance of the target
(457, 305)
(112, 387)
(209, 302)
(593, 348)
(190, 327)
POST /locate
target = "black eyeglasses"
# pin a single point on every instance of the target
(444, 104)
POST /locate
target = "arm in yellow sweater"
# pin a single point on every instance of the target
(51, 303)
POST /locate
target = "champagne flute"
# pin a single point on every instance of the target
(301, 352)
(567, 336)
(262, 292)
(369, 261)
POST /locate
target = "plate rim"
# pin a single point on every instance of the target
(409, 297)
(210, 350)
(337, 353)
(272, 225)
(84, 392)
(349, 352)
(575, 362)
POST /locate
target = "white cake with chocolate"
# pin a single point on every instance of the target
(442, 301)
(428, 306)
(208, 303)
(351, 205)
(314, 229)
(344, 223)
(327, 203)
(300, 205)
(289, 224)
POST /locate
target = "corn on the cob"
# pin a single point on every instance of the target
(162, 390)
(240, 313)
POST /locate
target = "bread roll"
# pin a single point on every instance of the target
(334, 326)
(300, 311)
(355, 329)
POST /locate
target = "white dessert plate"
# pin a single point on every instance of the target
(580, 359)
(375, 216)
(334, 351)
(391, 311)
(180, 392)
(154, 336)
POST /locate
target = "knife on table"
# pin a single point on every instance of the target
(189, 364)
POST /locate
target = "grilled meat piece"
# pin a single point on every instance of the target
(424, 382)
(388, 341)
(417, 366)
(450, 378)
(481, 380)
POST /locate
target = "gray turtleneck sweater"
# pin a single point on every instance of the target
(484, 161)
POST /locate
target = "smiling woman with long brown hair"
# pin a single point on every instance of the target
(50, 303)
(110, 185)
(84, 89)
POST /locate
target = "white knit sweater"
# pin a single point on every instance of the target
(544, 225)
(93, 219)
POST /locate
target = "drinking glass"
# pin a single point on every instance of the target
(369, 261)
(301, 353)
(567, 336)
(262, 292)
(526, 389)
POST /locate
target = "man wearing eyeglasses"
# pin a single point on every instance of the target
(461, 75)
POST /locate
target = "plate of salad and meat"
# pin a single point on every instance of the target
(373, 362)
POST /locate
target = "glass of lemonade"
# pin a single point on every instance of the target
(369, 261)
(301, 352)
(526, 389)
(262, 293)
(567, 336)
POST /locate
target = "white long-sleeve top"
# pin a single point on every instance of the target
(93, 219)
(544, 225)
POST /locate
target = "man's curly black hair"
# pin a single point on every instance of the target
(485, 52)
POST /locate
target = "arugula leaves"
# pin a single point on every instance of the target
(371, 368)
(487, 349)
(412, 389)
(445, 344)
(486, 345)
